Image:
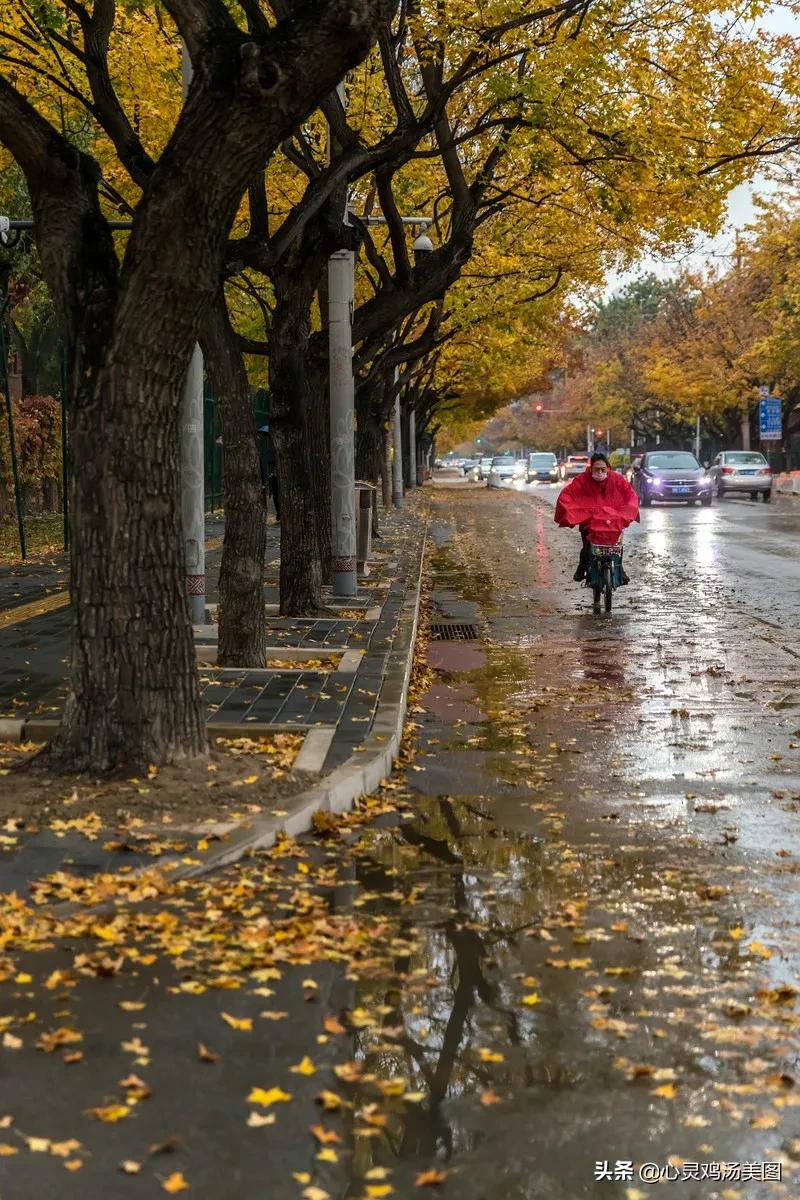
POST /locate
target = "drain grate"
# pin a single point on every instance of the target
(453, 631)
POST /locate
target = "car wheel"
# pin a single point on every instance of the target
(706, 500)
(766, 496)
(754, 495)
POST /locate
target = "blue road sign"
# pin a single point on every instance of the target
(770, 419)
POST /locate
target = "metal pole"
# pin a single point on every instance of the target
(746, 430)
(192, 455)
(412, 450)
(697, 437)
(12, 443)
(341, 298)
(340, 359)
(397, 461)
(64, 445)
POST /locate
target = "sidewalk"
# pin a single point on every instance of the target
(314, 729)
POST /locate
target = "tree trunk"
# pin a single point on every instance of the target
(242, 624)
(134, 696)
(301, 569)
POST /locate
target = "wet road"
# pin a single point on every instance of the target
(571, 952)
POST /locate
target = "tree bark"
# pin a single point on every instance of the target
(133, 695)
(301, 569)
(242, 623)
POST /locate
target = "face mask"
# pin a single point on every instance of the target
(599, 475)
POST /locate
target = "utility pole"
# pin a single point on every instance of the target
(412, 450)
(192, 456)
(341, 292)
(397, 439)
(746, 429)
(697, 437)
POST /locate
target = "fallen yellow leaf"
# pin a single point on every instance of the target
(328, 1155)
(488, 1056)
(6, 1150)
(377, 1190)
(129, 1167)
(111, 1113)
(531, 999)
(315, 1193)
(244, 1023)
(38, 1145)
(430, 1178)
(265, 1098)
(64, 1149)
(761, 951)
(668, 1091)
(175, 1183)
(305, 1067)
(72, 1164)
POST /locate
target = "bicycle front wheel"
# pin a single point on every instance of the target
(608, 588)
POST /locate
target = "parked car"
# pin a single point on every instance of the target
(484, 467)
(469, 467)
(542, 468)
(574, 464)
(745, 472)
(504, 469)
(672, 475)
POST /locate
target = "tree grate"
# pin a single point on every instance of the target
(453, 631)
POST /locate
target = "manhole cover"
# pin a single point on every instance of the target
(454, 631)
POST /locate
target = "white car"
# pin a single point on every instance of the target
(504, 469)
(742, 472)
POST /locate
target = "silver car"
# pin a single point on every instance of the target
(504, 469)
(742, 472)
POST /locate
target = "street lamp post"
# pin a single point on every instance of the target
(341, 298)
(192, 453)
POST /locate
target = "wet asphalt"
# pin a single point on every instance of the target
(578, 947)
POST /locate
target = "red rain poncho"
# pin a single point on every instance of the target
(602, 510)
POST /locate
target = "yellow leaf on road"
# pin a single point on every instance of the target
(111, 1113)
(266, 1097)
(304, 1067)
(64, 1149)
(668, 1091)
(531, 999)
(129, 1167)
(242, 1023)
(488, 1056)
(175, 1183)
(72, 1164)
(328, 1155)
(38, 1144)
(6, 1150)
(315, 1193)
(761, 951)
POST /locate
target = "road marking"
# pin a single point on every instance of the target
(37, 608)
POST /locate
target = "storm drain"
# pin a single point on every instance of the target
(453, 631)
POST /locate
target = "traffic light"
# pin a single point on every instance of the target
(477, 441)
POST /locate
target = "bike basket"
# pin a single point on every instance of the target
(607, 551)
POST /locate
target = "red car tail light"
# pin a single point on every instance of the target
(765, 471)
(728, 471)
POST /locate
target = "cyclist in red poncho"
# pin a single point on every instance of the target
(601, 503)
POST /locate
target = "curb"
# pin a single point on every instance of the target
(359, 775)
(356, 777)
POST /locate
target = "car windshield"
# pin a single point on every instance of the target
(542, 460)
(741, 456)
(673, 460)
(505, 460)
